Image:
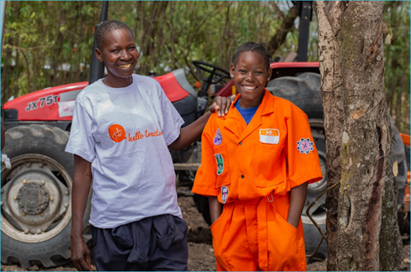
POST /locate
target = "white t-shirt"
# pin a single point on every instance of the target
(124, 133)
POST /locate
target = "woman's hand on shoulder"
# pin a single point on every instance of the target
(221, 105)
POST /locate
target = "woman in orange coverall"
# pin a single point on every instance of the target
(256, 163)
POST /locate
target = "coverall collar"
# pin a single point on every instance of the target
(266, 107)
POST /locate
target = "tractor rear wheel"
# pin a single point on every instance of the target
(36, 197)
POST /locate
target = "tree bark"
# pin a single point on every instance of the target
(361, 223)
(332, 91)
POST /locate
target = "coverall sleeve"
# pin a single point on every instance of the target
(302, 156)
(206, 177)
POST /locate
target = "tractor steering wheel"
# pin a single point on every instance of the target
(215, 75)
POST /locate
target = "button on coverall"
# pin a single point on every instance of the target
(251, 170)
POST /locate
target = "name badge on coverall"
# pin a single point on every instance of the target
(269, 135)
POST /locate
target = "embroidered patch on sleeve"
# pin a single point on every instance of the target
(218, 137)
(224, 194)
(305, 146)
(220, 163)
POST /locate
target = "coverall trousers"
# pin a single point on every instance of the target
(252, 235)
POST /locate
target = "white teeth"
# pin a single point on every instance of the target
(124, 66)
(248, 87)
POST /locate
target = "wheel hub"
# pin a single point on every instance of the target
(33, 198)
(35, 203)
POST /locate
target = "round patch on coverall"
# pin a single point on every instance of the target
(305, 146)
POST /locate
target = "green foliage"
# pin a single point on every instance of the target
(39, 37)
(42, 37)
(397, 62)
(171, 35)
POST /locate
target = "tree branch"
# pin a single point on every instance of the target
(287, 24)
(187, 62)
(277, 10)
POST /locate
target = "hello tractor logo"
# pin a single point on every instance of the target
(117, 133)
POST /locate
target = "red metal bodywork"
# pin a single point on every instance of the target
(171, 87)
(42, 110)
(405, 139)
(43, 105)
(282, 65)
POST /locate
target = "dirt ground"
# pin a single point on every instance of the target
(201, 257)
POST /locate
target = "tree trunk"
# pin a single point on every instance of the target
(361, 223)
(332, 91)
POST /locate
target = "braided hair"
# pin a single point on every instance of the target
(107, 26)
(252, 47)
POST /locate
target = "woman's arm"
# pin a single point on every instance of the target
(190, 133)
(216, 208)
(193, 131)
(297, 200)
(80, 254)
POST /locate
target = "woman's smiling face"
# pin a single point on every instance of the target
(120, 55)
(250, 77)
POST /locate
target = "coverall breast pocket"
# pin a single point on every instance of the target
(222, 166)
(267, 165)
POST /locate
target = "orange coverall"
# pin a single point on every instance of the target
(251, 169)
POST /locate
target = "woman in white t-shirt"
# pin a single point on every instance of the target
(122, 128)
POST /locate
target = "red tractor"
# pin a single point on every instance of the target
(36, 190)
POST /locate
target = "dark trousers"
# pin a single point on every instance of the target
(153, 243)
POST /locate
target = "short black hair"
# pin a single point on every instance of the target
(253, 47)
(107, 26)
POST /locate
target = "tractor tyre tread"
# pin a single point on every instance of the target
(51, 142)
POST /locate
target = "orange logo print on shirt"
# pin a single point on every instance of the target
(117, 133)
